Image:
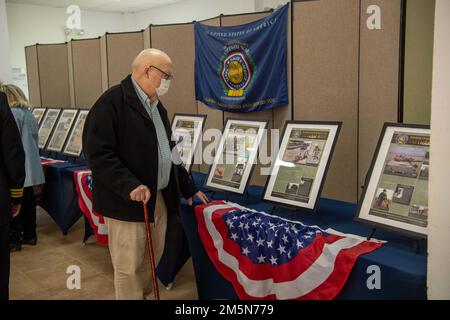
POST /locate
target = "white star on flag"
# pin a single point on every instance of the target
(245, 251)
(273, 260)
(281, 249)
(260, 242)
(261, 258)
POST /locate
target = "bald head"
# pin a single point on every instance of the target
(149, 66)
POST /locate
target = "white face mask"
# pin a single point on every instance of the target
(163, 87)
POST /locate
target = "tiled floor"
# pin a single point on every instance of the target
(39, 272)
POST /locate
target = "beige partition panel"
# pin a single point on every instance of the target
(53, 64)
(34, 88)
(170, 38)
(325, 62)
(121, 49)
(87, 71)
(214, 116)
(379, 72)
(181, 96)
(233, 20)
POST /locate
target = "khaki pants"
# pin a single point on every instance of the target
(129, 252)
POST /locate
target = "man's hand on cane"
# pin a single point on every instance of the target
(140, 194)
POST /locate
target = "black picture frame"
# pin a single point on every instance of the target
(373, 224)
(64, 150)
(44, 145)
(67, 132)
(230, 119)
(43, 114)
(200, 116)
(338, 125)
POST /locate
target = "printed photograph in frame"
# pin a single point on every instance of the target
(38, 113)
(236, 155)
(74, 145)
(62, 130)
(47, 125)
(297, 176)
(187, 132)
(396, 191)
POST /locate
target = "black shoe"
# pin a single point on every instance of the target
(29, 241)
(15, 247)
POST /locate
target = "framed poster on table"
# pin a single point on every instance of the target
(74, 144)
(187, 133)
(38, 113)
(236, 155)
(298, 173)
(62, 129)
(47, 125)
(396, 191)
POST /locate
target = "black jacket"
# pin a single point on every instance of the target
(121, 148)
(12, 161)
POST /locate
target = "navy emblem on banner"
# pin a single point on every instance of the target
(242, 68)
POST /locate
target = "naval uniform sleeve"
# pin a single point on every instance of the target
(99, 148)
(12, 151)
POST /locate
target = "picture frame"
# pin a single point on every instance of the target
(47, 125)
(39, 113)
(74, 144)
(395, 195)
(62, 129)
(239, 147)
(298, 173)
(188, 127)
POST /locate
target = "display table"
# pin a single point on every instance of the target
(59, 195)
(403, 272)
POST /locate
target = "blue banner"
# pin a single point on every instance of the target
(242, 68)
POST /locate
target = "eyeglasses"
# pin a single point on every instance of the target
(166, 75)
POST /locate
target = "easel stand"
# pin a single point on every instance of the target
(415, 241)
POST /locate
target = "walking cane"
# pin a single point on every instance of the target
(151, 254)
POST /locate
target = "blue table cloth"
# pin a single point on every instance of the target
(60, 198)
(403, 271)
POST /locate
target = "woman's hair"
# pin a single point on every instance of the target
(16, 97)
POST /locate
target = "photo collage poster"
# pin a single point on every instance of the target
(187, 131)
(297, 174)
(397, 194)
(62, 130)
(236, 155)
(74, 144)
(47, 125)
(38, 113)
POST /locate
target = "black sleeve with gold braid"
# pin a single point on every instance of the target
(11, 151)
(16, 195)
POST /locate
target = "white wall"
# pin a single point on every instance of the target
(5, 65)
(188, 11)
(30, 24)
(439, 184)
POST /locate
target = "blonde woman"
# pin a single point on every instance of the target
(23, 227)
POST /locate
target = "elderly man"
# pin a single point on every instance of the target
(127, 145)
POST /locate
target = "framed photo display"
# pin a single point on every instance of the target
(38, 113)
(299, 170)
(62, 129)
(187, 132)
(396, 191)
(74, 144)
(236, 155)
(47, 125)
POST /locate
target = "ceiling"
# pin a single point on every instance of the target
(117, 6)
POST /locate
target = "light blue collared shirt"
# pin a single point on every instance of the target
(164, 154)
